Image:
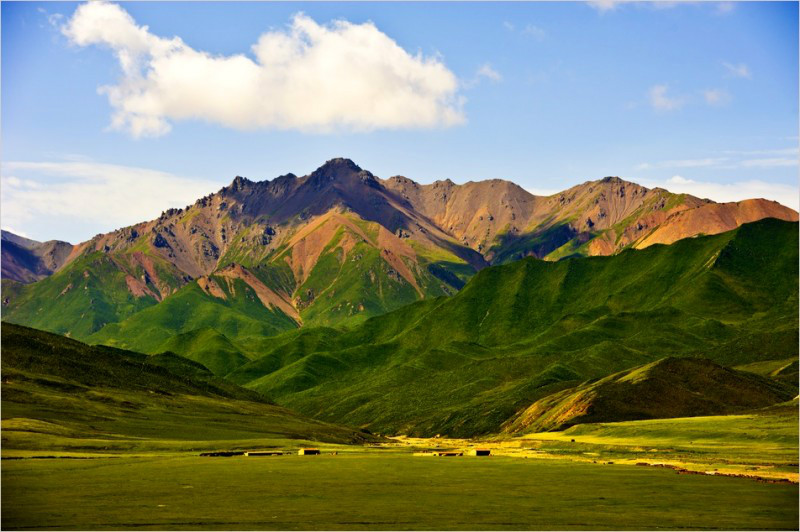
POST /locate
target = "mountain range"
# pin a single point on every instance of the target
(520, 332)
(331, 248)
(528, 345)
(432, 309)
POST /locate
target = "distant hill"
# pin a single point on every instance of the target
(668, 388)
(520, 332)
(59, 394)
(26, 261)
(336, 247)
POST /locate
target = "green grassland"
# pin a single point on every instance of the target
(379, 491)
(760, 443)
(516, 333)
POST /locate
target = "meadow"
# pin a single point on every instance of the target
(386, 489)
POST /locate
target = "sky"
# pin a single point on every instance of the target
(113, 112)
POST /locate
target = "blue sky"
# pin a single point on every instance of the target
(696, 97)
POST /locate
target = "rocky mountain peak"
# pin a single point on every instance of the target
(334, 170)
(338, 165)
(238, 183)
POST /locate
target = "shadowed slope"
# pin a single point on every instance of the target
(667, 388)
(59, 394)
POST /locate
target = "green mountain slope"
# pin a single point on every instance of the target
(163, 327)
(519, 332)
(75, 301)
(60, 394)
(667, 388)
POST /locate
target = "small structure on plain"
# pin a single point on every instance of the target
(263, 453)
(308, 451)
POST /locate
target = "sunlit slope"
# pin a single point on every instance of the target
(516, 333)
(78, 300)
(667, 388)
(197, 325)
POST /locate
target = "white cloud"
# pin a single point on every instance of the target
(534, 31)
(740, 71)
(770, 162)
(54, 19)
(684, 163)
(529, 30)
(486, 71)
(308, 77)
(723, 8)
(542, 191)
(605, 5)
(107, 196)
(788, 195)
(660, 101)
(779, 151)
(717, 97)
(733, 159)
(15, 231)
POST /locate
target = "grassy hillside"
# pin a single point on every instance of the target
(76, 301)
(667, 388)
(519, 332)
(198, 326)
(61, 395)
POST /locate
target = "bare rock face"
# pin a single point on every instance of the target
(293, 220)
(28, 261)
(714, 218)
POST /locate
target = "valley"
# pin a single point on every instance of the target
(591, 478)
(625, 376)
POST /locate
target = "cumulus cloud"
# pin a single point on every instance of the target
(716, 97)
(661, 101)
(308, 77)
(788, 195)
(103, 197)
(739, 71)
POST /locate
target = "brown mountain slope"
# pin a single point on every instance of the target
(27, 261)
(670, 387)
(341, 244)
(474, 213)
(334, 245)
(504, 222)
(714, 218)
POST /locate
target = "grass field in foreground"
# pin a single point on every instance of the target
(379, 490)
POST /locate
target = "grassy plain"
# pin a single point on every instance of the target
(379, 490)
